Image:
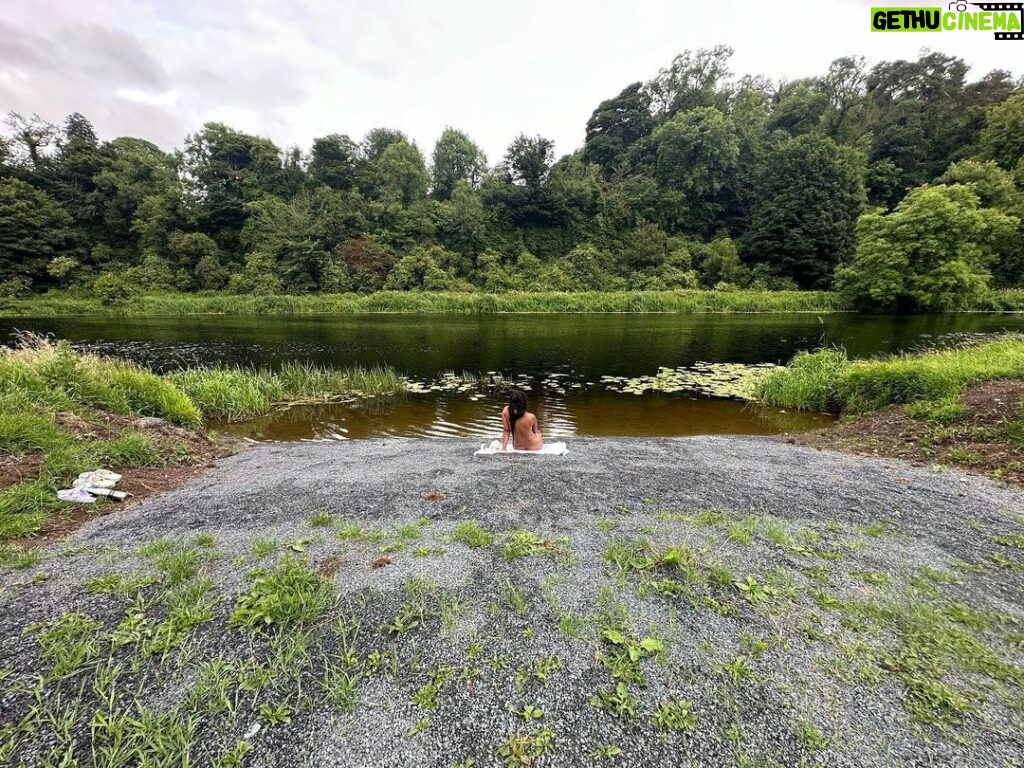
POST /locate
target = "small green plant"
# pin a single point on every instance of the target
(321, 520)
(409, 617)
(521, 544)
(617, 701)
(675, 715)
(606, 751)
(235, 757)
(525, 747)
(289, 593)
(809, 737)
(426, 697)
(470, 533)
(262, 547)
(736, 670)
(514, 598)
(755, 592)
(530, 712)
(19, 557)
(275, 713)
(421, 725)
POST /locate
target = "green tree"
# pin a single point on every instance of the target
(456, 158)
(693, 80)
(528, 161)
(616, 125)
(697, 152)
(226, 170)
(420, 270)
(932, 253)
(996, 189)
(334, 162)
(34, 228)
(1002, 139)
(403, 174)
(720, 264)
(808, 196)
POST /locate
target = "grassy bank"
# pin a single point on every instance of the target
(639, 302)
(62, 413)
(438, 303)
(827, 380)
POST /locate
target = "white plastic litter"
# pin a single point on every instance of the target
(98, 478)
(550, 449)
(88, 485)
(76, 495)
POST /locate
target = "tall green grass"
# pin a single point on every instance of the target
(238, 393)
(52, 398)
(54, 304)
(827, 380)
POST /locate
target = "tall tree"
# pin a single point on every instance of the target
(697, 153)
(616, 125)
(334, 161)
(1002, 139)
(34, 228)
(808, 196)
(528, 161)
(456, 158)
(694, 79)
(403, 173)
(227, 169)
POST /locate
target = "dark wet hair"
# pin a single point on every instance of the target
(516, 410)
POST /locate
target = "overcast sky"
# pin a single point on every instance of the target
(293, 70)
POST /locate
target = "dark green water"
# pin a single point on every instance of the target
(577, 349)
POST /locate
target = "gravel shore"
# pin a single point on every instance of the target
(703, 601)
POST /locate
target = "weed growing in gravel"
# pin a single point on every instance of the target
(409, 617)
(607, 751)
(19, 557)
(262, 547)
(67, 642)
(287, 594)
(539, 669)
(808, 736)
(321, 520)
(513, 598)
(737, 670)
(524, 748)
(470, 533)
(617, 701)
(426, 697)
(527, 544)
(754, 592)
(1014, 540)
(573, 626)
(675, 715)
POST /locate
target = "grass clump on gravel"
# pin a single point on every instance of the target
(827, 380)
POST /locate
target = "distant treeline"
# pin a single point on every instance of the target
(899, 184)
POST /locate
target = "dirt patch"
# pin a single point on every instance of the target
(435, 497)
(140, 482)
(980, 441)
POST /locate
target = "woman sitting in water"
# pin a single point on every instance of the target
(520, 425)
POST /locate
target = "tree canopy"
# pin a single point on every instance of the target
(695, 177)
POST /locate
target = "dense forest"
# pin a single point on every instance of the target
(900, 184)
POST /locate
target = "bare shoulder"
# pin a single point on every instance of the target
(529, 419)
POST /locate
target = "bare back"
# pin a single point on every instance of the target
(527, 436)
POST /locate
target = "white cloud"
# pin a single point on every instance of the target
(294, 70)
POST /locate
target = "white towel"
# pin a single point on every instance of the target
(549, 449)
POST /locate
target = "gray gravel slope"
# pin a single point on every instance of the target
(810, 694)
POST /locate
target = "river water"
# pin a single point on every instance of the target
(561, 359)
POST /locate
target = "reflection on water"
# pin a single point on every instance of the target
(587, 413)
(563, 356)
